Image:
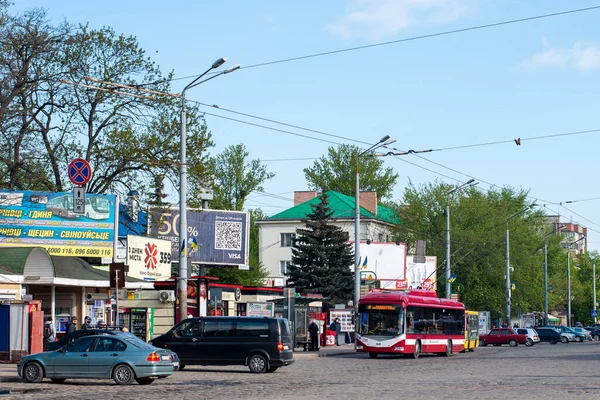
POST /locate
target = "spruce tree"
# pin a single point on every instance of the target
(321, 257)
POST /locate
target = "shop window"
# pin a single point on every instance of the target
(241, 309)
(287, 239)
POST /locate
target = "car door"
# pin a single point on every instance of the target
(218, 342)
(104, 355)
(184, 340)
(505, 336)
(494, 336)
(72, 360)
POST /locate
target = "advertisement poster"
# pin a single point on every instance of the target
(384, 260)
(148, 258)
(259, 310)
(418, 276)
(345, 319)
(46, 219)
(214, 237)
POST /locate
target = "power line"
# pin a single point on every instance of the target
(410, 39)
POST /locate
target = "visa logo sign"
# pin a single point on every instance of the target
(235, 256)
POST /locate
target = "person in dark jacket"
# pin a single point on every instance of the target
(313, 330)
(336, 326)
(87, 323)
(72, 325)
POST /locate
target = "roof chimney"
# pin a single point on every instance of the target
(368, 201)
(302, 196)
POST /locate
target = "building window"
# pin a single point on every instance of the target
(283, 266)
(287, 239)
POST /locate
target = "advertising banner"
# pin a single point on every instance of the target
(214, 237)
(385, 260)
(148, 258)
(259, 310)
(418, 275)
(46, 219)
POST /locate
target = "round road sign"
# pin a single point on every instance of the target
(80, 171)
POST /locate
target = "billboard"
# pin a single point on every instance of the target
(215, 237)
(419, 275)
(46, 219)
(383, 260)
(148, 258)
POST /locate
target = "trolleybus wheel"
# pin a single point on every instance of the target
(417, 352)
(448, 352)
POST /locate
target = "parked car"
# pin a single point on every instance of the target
(123, 358)
(500, 336)
(550, 335)
(567, 334)
(530, 332)
(577, 336)
(65, 340)
(587, 333)
(263, 344)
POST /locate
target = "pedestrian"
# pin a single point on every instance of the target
(72, 325)
(49, 332)
(125, 330)
(337, 327)
(87, 323)
(313, 330)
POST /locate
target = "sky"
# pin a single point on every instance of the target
(522, 80)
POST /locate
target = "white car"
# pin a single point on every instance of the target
(530, 332)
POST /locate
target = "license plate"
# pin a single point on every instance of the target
(176, 364)
(286, 347)
(165, 358)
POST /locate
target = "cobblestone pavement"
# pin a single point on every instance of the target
(541, 371)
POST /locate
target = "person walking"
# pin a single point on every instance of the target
(313, 330)
(49, 332)
(72, 325)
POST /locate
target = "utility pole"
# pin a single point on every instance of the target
(569, 287)
(507, 278)
(594, 287)
(545, 284)
(448, 271)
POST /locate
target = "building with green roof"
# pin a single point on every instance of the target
(276, 232)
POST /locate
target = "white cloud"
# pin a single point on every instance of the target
(582, 56)
(381, 19)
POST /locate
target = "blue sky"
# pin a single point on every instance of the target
(521, 80)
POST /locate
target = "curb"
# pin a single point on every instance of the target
(345, 353)
(10, 379)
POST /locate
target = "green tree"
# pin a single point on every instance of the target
(233, 177)
(321, 257)
(337, 171)
(479, 222)
(257, 273)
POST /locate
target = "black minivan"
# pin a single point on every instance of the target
(263, 344)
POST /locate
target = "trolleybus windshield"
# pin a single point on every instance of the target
(381, 320)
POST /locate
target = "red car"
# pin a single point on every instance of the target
(500, 336)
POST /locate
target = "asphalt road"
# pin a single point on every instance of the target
(539, 372)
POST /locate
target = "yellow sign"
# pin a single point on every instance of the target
(380, 307)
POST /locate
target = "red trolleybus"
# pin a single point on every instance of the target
(410, 323)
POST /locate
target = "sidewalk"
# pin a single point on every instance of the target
(8, 372)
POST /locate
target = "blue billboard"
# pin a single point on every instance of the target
(215, 237)
(46, 219)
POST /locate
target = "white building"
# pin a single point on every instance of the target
(276, 233)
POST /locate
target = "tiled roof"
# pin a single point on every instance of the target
(342, 207)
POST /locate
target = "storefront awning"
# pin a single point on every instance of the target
(34, 266)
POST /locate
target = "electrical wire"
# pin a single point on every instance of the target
(408, 39)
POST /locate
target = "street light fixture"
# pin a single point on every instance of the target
(384, 141)
(569, 279)
(470, 182)
(183, 267)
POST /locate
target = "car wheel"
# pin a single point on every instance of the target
(373, 355)
(123, 374)
(272, 369)
(58, 380)
(33, 372)
(482, 343)
(529, 342)
(144, 381)
(579, 339)
(448, 352)
(181, 367)
(564, 339)
(553, 341)
(258, 364)
(513, 343)
(417, 352)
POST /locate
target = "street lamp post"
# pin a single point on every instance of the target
(382, 142)
(183, 267)
(470, 182)
(569, 322)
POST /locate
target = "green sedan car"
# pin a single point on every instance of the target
(122, 357)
